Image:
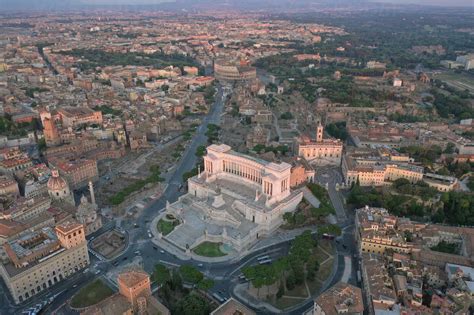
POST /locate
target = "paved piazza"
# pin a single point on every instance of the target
(235, 200)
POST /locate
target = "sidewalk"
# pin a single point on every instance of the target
(308, 195)
(277, 237)
(241, 293)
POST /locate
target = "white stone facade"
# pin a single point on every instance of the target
(235, 200)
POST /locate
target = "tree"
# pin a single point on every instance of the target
(161, 274)
(205, 284)
(200, 151)
(291, 281)
(289, 218)
(450, 147)
(192, 304)
(176, 281)
(191, 274)
(286, 115)
(281, 290)
(42, 144)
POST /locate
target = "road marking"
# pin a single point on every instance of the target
(168, 263)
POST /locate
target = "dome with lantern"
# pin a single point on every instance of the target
(58, 187)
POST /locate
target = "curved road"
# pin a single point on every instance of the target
(225, 273)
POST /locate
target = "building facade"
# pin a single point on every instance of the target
(230, 71)
(322, 151)
(40, 259)
(273, 178)
(78, 172)
(236, 200)
(375, 168)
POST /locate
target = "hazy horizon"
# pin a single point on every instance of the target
(65, 4)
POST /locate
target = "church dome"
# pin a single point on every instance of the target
(56, 182)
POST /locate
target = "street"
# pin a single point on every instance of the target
(225, 274)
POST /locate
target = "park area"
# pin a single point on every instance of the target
(209, 249)
(296, 277)
(325, 255)
(91, 294)
(460, 81)
(167, 224)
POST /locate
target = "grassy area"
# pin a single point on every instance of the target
(166, 227)
(460, 81)
(325, 270)
(298, 291)
(314, 286)
(284, 303)
(91, 294)
(153, 178)
(445, 247)
(209, 249)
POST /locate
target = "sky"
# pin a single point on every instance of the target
(32, 4)
(465, 3)
(429, 2)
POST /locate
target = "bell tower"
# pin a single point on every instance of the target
(319, 132)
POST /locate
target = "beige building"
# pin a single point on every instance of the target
(324, 151)
(8, 186)
(40, 259)
(77, 116)
(376, 232)
(24, 209)
(376, 168)
(440, 182)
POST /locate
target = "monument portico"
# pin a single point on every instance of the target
(272, 179)
(235, 200)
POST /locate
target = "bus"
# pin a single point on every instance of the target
(218, 297)
(265, 261)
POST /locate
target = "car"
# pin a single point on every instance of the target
(125, 258)
(74, 286)
(137, 253)
(200, 265)
(155, 248)
(115, 263)
(97, 272)
(85, 270)
(162, 251)
(149, 235)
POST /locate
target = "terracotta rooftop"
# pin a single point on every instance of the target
(341, 297)
(131, 278)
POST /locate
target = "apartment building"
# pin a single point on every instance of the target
(40, 259)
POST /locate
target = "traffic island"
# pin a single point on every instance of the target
(91, 294)
(292, 279)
